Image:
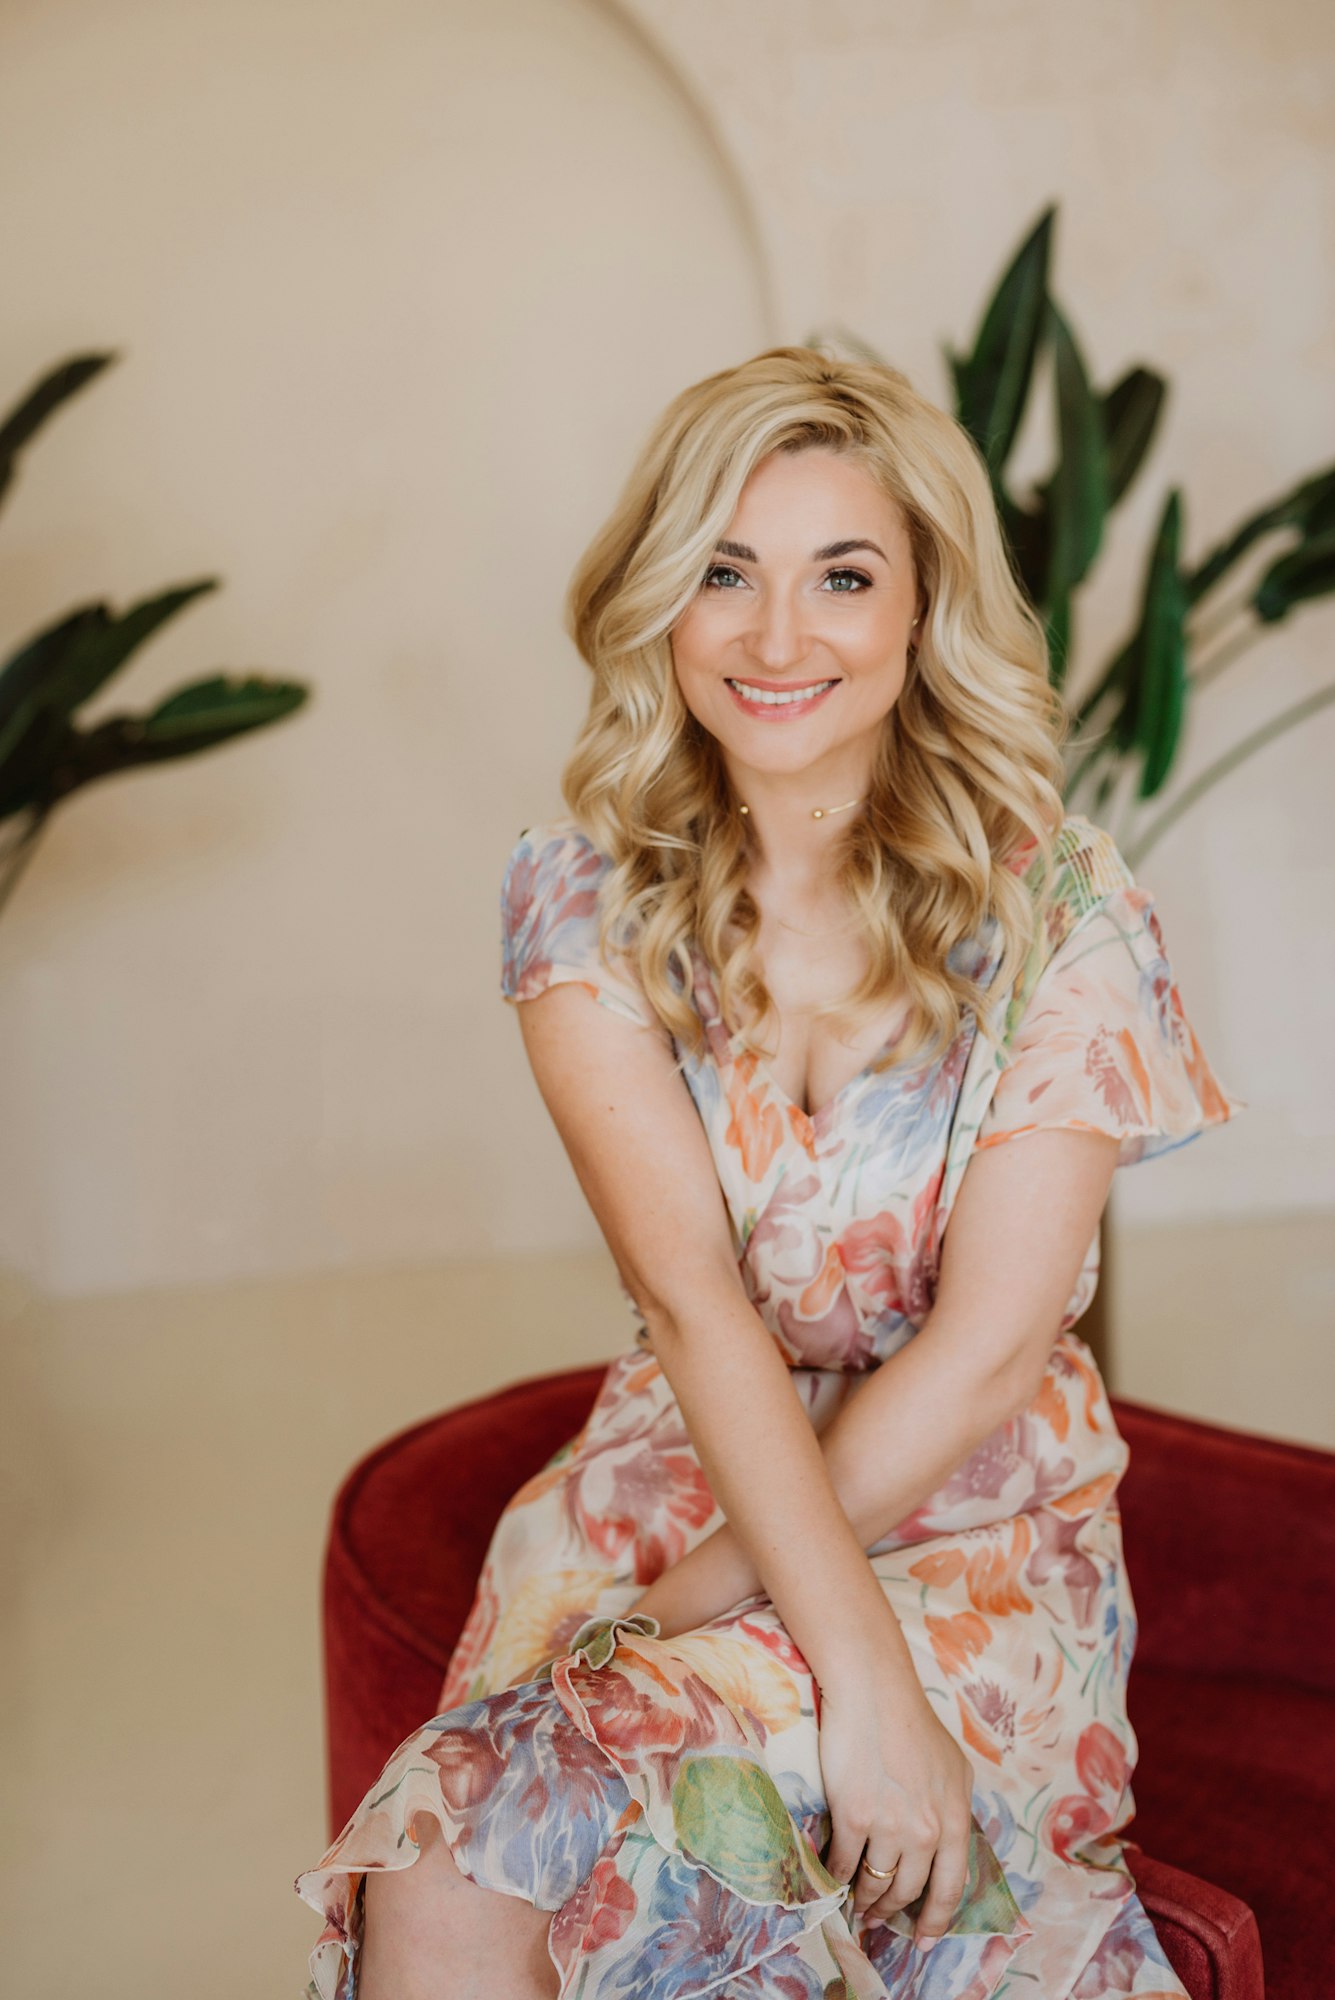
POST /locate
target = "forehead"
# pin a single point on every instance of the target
(795, 500)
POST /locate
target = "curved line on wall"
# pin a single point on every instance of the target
(630, 24)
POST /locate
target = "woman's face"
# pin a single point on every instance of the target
(794, 649)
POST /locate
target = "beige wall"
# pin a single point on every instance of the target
(398, 292)
(399, 289)
(896, 156)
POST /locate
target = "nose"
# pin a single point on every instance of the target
(778, 639)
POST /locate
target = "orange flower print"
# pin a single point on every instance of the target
(956, 1639)
(755, 1129)
(1068, 1364)
(1101, 1767)
(940, 1568)
(987, 1718)
(816, 1298)
(1100, 1763)
(994, 1580)
(1050, 1406)
(1071, 1820)
(1084, 1500)
(803, 1130)
(1135, 1064)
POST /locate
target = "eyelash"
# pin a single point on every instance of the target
(715, 568)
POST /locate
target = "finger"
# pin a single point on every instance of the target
(950, 1872)
(910, 1877)
(846, 1845)
(944, 1895)
(870, 1888)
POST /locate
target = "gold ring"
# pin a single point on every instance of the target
(881, 1874)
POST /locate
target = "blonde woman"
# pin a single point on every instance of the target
(801, 1671)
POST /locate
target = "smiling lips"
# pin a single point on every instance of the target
(778, 704)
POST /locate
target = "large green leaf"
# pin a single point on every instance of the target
(58, 671)
(96, 644)
(53, 389)
(1304, 573)
(1157, 696)
(24, 676)
(1078, 489)
(1028, 536)
(195, 718)
(992, 384)
(1309, 507)
(1131, 412)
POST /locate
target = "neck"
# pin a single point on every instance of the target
(780, 816)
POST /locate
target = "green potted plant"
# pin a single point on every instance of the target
(1128, 712)
(45, 754)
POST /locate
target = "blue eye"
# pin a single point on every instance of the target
(726, 569)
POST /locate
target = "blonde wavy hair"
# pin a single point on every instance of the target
(968, 765)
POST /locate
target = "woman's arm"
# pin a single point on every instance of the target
(896, 1781)
(1011, 1254)
(641, 1155)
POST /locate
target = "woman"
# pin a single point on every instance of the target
(801, 1671)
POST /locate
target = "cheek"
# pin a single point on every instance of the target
(693, 654)
(874, 653)
(875, 647)
(877, 680)
(693, 684)
(690, 641)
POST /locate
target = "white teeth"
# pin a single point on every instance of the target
(763, 698)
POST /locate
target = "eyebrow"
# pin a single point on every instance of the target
(743, 553)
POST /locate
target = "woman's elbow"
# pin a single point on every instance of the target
(678, 1304)
(1018, 1380)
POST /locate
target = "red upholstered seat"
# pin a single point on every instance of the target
(1230, 1542)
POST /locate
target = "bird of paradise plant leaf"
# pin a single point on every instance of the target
(45, 754)
(1128, 720)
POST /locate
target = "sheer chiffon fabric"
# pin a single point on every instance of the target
(663, 1797)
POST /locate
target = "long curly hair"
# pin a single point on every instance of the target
(968, 766)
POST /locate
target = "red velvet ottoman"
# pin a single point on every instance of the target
(1230, 1541)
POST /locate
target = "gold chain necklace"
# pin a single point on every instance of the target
(818, 812)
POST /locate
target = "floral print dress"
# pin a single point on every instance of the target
(663, 1797)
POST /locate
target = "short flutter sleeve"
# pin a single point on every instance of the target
(1104, 1043)
(549, 923)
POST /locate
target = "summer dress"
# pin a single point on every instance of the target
(663, 1797)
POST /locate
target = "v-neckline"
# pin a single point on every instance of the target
(815, 1119)
(820, 1115)
(762, 1069)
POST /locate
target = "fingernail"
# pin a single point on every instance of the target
(926, 1943)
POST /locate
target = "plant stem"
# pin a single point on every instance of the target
(19, 854)
(1204, 628)
(1086, 764)
(1210, 669)
(1288, 718)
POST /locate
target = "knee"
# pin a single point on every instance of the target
(417, 1918)
(409, 1920)
(422, 1892)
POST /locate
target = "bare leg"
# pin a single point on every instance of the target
(431, 1934)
